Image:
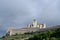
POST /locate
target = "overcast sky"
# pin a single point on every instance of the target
(19, 13)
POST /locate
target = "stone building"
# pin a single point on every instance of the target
(36, 25)
(30, 28)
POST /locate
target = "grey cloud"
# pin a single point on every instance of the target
(18, 13)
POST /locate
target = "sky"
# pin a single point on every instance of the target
(19, 13)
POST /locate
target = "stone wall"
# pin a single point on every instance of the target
(22, 31)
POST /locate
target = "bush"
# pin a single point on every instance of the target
(3, 37)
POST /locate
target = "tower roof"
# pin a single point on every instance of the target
(34, 19)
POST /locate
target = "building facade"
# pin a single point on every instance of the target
(36, 25)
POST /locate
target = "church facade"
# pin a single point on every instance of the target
(30, 28)
(36, 25)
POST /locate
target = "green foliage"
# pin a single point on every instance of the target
(53, 38)
(12, 39)
(56, 33)
(3, 36)
(49, 35)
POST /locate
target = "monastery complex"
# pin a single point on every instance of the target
(30, 28)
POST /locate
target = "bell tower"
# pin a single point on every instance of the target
(34, 23)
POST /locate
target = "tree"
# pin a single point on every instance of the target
(3, 36)
(57, 33)
(48, 34)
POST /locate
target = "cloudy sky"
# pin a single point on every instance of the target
(19, 13)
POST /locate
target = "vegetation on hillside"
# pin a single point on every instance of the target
(48, 35)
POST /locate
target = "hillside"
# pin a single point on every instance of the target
(18, 36)
(54, 30)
